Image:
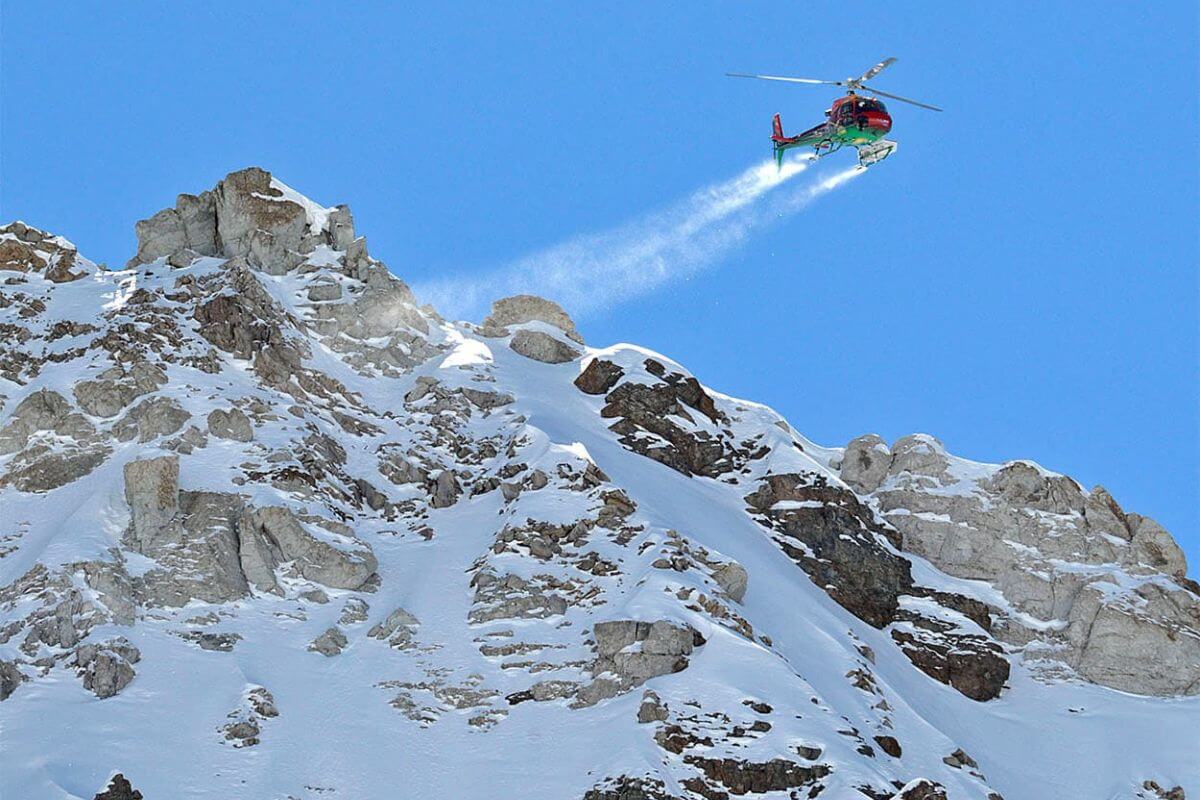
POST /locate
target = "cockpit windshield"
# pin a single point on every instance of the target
(870, 105)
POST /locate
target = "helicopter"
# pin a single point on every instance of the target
(855, 120)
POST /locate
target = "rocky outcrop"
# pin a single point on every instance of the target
(150, 419)
(209, 546)
(630, 652)
(749, 777)
(649, 417)
(599, 376)
(10, 679)
(733, 579)
(837, 541)
(53, 444)
(329, 643)
(29, 250)
(1054, 551)
(973, 664)
(230, 424)
(105, 669)
(117, 387)
(119, 788)
(542, 347)
(522, 308)
(43, 411)
(273, 536)
(247, 214)
(398, 629)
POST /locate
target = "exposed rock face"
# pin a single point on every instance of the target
(329, 643)
(745, 777)
(42, 411)
(733, 578)
(105, 669)
(599, 376)
(231, 424)
(119, 788)
(210, 547)
(117, 387)
(273, 536)
(522, 308)
(974, 665)
(28, 250)
(542, 347)
(648, 408)
(10, 679)
(632, 652)
(1051, 548)
(839, 544)
(247, 214)
(865, 463)
(150, 419)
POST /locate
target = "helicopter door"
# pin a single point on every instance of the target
(846, 113)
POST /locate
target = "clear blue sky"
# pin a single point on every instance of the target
(1019, 280)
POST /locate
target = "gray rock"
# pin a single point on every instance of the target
(652, 708)
(43, 410)
(152, 492)
(107, 668)
(319, 292)
(10, 679)
(446, 489)
(1015, 525)
(732, 578)
(49, 471)
(542, 347)
(330, 643)
(865, 463)
(117, 387)
(273, 536)
(636, 651)
(1154, 547)
(232, 424)
(158, 416)
(522, 308)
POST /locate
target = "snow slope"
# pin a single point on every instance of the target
(512, 514)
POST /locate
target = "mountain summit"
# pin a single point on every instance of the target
(273, 529)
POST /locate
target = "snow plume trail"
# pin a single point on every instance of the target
(597, 271)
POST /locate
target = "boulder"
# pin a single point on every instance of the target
(230, 424)
(273, 536)
(107, 668)
(542, 347)
(330, 643)
(150, 419)
(865, 463)
(40, 411)
(732, 578)
(10, 679)
(599, 376)
(522, 308)
(1153, 547)
(119, 788)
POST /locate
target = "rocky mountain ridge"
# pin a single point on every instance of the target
(252, 456)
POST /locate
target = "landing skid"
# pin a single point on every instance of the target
(875, 152)
(825, 147)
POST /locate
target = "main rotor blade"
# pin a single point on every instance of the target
(898, 97)
(875, 70)
(781, 78)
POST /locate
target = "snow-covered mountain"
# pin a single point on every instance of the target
(272, 529)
